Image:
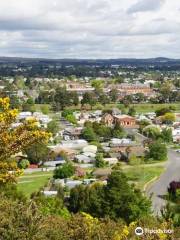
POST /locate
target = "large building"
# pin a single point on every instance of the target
(131, 89)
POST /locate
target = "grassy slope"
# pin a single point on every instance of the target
(141, 175)
(30, 183)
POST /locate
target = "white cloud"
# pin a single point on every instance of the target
(145, 5)
(91, 28)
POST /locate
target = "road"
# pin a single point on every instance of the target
(159, 188)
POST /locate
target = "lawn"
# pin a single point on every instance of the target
(144, 108)
(140, 107)
(30, 183)
(140, 175)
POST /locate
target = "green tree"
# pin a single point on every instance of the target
(169, 118)
(37, 152)
(50, 206)
(132, 111)
(97, 84)
(74, 98)
(89, 98)
(64, 171)
(162, 111)
(113, 95)
(23, 164)
(78, 198)
(157, 151)
(71, 118)
(89, 134)
(166, 135)
(99, 163)
(103, 99)
(116, 200)
(152, 131)
(53, 127)
(66, 112)
(118, 132)
(122, 201)
(61, 99)
(45, 109)
(165, 90)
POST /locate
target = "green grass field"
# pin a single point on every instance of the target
(30, 183)
(140, 108)
(144, 108)
(140, 175)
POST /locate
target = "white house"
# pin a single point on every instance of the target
(176, 135)
(111, 161)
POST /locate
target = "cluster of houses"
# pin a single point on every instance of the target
(41, 118)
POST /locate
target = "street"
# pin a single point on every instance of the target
(158, 189)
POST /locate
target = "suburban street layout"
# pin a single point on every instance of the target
(90, 120)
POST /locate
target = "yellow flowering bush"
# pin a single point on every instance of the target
(15, 140)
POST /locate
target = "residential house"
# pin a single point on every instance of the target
(72, 133)
(111, 161)
(107, 119)
(176, 135)
(125, 121)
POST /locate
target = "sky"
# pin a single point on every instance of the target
(90, 28)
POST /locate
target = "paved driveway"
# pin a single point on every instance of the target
(159, 188)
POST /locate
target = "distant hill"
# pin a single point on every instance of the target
(160, 61)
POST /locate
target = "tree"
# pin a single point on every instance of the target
(168, 118)
(78, 199)
(89, 134)
(132, 111)
(50, 206)
(99, 163)
(15, 140)
(37, 153)
(118, 200)
(152, 131)
(71, 118)
(166, 135)
(101, 130)
(143, 124)
(45, 109)
(103, 99)
(74, 98)
(139, 97)
(118, 192)
(64, 171)
(113, 95)
(165, 90)
(66, 112)
(162, 111)
(89, 98)
(23, 164)
(53, 127)
(61, 99)
(157, 151)
(30, 101)
(15, 102)
(118, 131)
(97, 84)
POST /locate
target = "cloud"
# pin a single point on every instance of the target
(145, 5)
(93, 28)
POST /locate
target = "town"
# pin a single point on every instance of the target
(89, 120)
(129, 122)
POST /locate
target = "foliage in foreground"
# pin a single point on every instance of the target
(15, 140)
(21, 220)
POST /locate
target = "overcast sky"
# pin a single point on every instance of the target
(90, 28)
